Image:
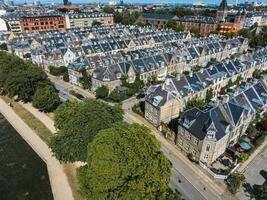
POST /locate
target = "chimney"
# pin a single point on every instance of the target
(178, 77)
(191, 74)
(226, 98)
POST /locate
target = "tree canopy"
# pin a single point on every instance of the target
(102, 92)
(260, 39)
(125, 162)
(20, 78)
(78, 124)
(46, 99)
(234, 182)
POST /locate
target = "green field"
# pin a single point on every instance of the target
(23, 175)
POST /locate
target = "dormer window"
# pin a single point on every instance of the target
(211, 134)
(118, 75)
(187, 123)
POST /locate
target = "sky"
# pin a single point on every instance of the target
(140, 1)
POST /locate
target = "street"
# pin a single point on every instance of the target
(64, 88)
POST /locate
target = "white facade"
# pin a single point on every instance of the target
(3, 25)
(252, 19)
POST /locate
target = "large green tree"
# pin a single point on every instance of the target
(78, 124)
(46, 99)
(125, 162)
(20, 78)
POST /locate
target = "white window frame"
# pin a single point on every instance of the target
(206, 157)
(208, 148)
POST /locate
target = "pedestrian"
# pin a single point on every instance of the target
(179, 181)
(204, 188)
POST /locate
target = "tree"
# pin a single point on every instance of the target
(198, 103)
(209, 95)
(102, 92)
(124, 162)
(234, 182)
(78, 124)
(96, 23)
(3, 47)
(85, 79)
(257, 73)
(66, 76)
(23, 84)
(57, 71)
(46, 99)
(245, 33)
(20, 78)
(172, 24)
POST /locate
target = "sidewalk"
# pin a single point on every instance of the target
(243, 167)
(48, 122)
(58, 179)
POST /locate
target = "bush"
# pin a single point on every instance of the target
(220, 171)
(58, 71)
(117, 96)
(102, 92)
(259, 140)
(139, 108)
(243, 157)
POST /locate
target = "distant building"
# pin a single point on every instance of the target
(3, 25)
(76, 20)
(156, 20)
(222, 11)
(42, 22)
(204, 25)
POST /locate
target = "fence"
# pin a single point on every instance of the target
(217, 176)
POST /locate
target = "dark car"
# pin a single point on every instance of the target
(141, 95)
(79, 96)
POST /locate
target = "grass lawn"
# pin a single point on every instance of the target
(70, 171)
(44, 133)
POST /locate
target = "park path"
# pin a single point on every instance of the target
(47, 121)
(58, 179)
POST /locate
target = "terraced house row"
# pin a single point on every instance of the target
(47, 47)
(158, 62)
(110, 52)
(206, 134)
(164, 102)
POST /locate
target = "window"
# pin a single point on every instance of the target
(211, 134)
(180, 142)
(195, 141)
(206, 157)
(186, 146)
(208, 148)
(188, 136)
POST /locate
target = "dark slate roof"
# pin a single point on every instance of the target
(201, 121)
(159, 97)
(234, 111)
(157, 16)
